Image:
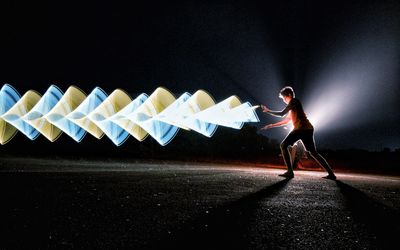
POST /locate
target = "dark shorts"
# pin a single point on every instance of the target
(305, 135)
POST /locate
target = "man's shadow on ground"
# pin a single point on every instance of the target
(226, 227)
(223, 227)
(381, 220)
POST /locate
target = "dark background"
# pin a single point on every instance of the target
(246, 48)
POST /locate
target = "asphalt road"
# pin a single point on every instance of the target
(58, 204)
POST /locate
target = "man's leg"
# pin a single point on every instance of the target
(321, 161)
(286, 156)
(288, 141)
(293, 156)
(309, 143)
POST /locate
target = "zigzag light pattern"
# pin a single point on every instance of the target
(116, 116)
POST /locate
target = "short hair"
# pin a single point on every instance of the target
(286, 91)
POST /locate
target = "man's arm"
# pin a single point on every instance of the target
(281, 123)
(278, 113)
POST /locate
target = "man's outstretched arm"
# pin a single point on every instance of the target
(284, 122)
(277, 113)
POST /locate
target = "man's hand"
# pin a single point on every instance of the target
(265, 109)
(267, 127)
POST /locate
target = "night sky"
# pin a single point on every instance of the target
(342, 58)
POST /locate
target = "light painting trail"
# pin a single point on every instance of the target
(117, 116)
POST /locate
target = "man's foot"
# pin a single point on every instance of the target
(287, 174)
(330, 177)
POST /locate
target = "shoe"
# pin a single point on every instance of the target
(330, 177)
(287, 174)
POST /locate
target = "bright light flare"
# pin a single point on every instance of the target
(356, 82)
(331, 106)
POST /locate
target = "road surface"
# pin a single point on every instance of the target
(62, 204)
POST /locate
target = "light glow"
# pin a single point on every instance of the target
(116, 116)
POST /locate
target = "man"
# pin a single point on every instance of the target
(303, 130)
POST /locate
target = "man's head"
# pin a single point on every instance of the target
(286, 94)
